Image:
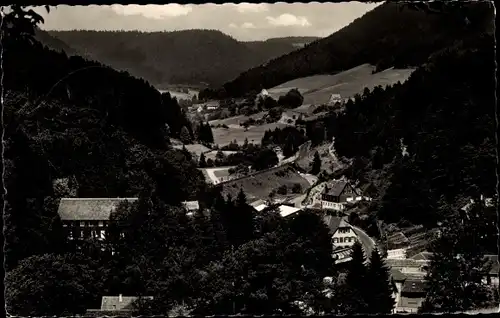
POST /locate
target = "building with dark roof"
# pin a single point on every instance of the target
(116, 305)
(88, 217)
(336, 194)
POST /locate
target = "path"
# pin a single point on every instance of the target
(210, 172)
(365, 240)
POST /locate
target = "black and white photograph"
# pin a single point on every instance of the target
(250, 159)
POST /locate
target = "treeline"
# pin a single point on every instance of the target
(391, 35)
(187, 56)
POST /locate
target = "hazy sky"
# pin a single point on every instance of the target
(243, 21)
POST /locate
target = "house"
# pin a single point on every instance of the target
(116, 305)
(191, 207)
(88, 217)
(492, 275)
(342, 232)
(399, 253)
(409, 266)
(411, 296)
(335, 98)
(336, 194)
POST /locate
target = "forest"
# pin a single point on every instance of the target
(393, 34)
(198, 57)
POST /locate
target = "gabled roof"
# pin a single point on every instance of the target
(422, 256)
(335, 188)
(334, 223)
(397, 275)
(113, 303)
(89, 209)
(391, 262)
(414, 286)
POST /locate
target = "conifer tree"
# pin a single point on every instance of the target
(380, 300)
(454, 279)
(241, 200)
(316, 164)
(353, 297)
(185, 136)
(288, 150)
(202, 163)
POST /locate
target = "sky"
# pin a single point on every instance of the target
(244, 21)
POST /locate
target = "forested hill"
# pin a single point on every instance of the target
(102, 129)
(392, 34)
(444, 118)
(180, 57)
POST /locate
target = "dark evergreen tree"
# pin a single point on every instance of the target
(185, 136)
(379, 300)
(288, 148)
(202, 163)
(354, 296)
(455, 276)
(316, 164)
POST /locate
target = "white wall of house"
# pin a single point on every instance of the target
(399, 253)
(344, 237)
(332, 205)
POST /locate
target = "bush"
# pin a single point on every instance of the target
(282, 190)
(296, 188)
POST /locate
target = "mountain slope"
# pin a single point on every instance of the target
(180, 57)
(390, 35)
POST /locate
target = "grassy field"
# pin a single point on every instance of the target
(318, 89)
(236, 119)
(254, 134)
(259, 186)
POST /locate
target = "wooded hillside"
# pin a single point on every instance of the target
(391, 35)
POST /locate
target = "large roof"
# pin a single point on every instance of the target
(89, 209)
(413, 286)
(113, 303)
(334, 222)
(335, 188)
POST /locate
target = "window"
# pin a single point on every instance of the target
(82, 224)
(102, 234)
(101, 224)
(335, 240)
(341, 240)
(65, 225)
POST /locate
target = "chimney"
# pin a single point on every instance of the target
(120, 298)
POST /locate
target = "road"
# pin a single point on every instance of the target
(367, 242)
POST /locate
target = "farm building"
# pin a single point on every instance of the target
(335, 98)
(88, 217)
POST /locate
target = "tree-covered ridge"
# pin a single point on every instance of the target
(178, 57)
(391, 35)
(72, 118)
(427, 143)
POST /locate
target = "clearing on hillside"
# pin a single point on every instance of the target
(254, 134)
(318, 89)
(259, 185)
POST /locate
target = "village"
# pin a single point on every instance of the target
(295, 190)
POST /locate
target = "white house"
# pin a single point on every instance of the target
(335, 98)
(342, 232)
(399, 253)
